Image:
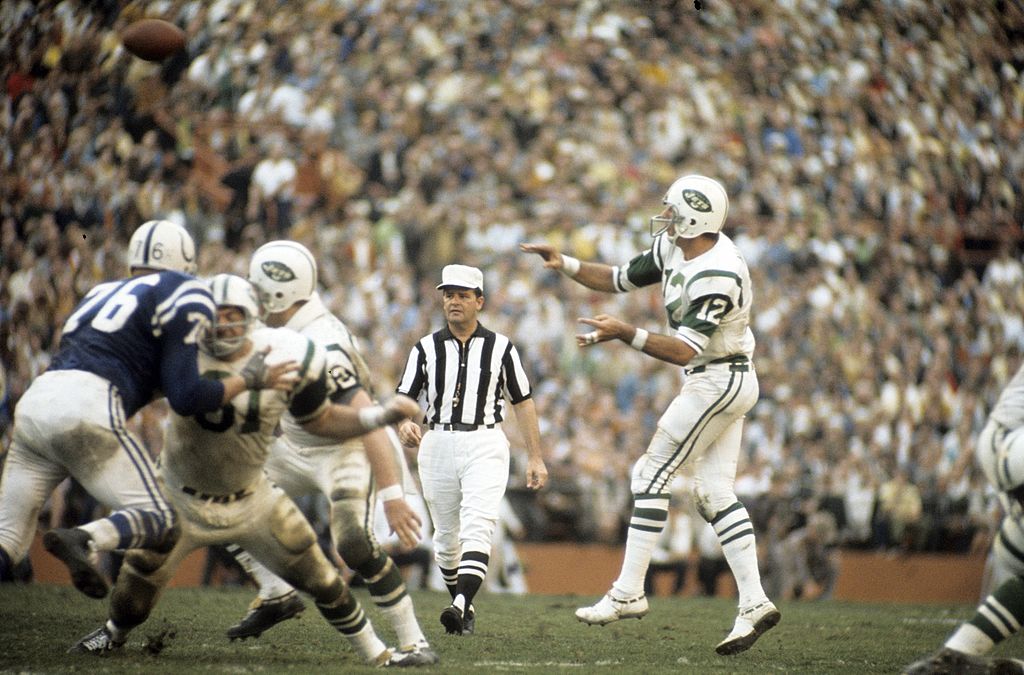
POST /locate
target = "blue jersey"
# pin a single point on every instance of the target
(142, 335)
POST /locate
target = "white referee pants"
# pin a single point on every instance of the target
(70, 422)
(464, 475)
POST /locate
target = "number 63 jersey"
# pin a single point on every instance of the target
(707, 299)
(223, 452)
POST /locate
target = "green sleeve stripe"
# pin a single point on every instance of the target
(643, 270)
(717, 273)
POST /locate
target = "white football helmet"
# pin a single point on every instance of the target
(229, 290)
(162, 245)
(699, 205)
(283, 272)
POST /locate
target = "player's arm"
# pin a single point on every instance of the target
(594, 275)
(668, 348)
(311, 407)
(401, 518)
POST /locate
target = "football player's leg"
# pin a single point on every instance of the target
(26, 482)
(276, 600)
(288, 548)
(352, 508)
(714, 477)
(1002, 612)
(142, 578)
(117, 470)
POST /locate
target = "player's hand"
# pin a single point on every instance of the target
(552, 256)
(410, 434)
(403, 521)
(258, 374)
(536, 474)
(605, 328)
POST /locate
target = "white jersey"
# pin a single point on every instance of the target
(707, 299)
(346, 370)
(223, 452)
(1009, 409)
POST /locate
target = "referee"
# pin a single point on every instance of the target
(463, 373)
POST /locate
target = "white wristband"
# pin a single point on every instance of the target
(372, 417)
(640, 339)
(390, 492)
(570, 266)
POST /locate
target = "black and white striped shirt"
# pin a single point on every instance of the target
(465, 384)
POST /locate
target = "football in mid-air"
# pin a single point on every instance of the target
(153, 39)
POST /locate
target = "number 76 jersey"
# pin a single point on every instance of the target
(707, 299)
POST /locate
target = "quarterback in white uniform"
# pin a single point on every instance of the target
(707, 295)
(348, 474)
(211, 470)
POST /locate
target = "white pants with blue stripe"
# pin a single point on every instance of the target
(71, 423)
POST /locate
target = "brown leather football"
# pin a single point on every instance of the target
(153, 39)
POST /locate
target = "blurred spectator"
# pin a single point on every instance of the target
(882, 219)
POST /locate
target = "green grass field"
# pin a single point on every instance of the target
(514, 634)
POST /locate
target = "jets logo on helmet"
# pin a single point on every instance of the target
(162, 245)
(697, 201)
(277, 271)
(284, 273)
(698, 205)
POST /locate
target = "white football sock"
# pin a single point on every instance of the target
(403, 620)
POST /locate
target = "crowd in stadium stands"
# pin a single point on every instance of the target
(873, 151)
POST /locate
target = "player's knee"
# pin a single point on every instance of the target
(327, 589)
(355, 547)
(710, 502)
(145, 561)
(290, 528)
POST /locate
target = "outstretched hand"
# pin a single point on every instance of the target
(552, 257)
(605, 328)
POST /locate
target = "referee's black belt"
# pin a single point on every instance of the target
(458, 426)
(736, 364)
(216, 499)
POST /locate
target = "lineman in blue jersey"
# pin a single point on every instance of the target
(211, 469)
(125, 343)
(707, 296)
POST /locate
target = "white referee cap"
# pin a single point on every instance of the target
(461, 276)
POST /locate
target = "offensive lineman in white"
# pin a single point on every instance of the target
(707, 295)
(350, 475)
(1000, 453)
(212, 474)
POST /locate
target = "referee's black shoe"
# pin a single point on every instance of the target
(71, 546)
(451, 619)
